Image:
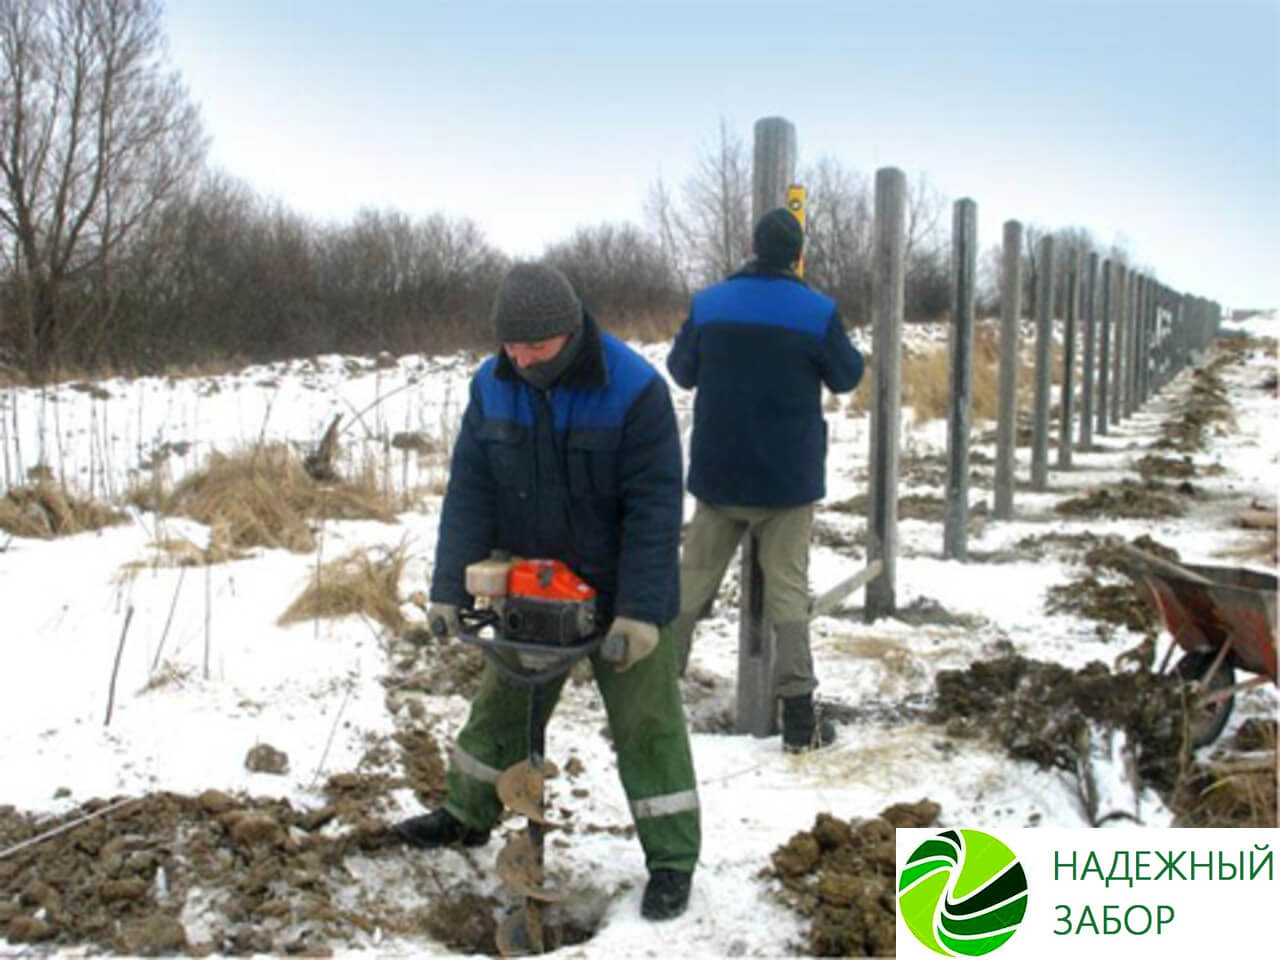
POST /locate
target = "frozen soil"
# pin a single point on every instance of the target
(166, 873)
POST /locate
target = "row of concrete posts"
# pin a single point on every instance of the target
(1133, 335)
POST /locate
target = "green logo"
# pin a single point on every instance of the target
(962, 893)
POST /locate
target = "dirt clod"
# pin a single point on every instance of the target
(840, 874)
(264, 758)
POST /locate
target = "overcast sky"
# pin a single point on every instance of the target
(1154, 125)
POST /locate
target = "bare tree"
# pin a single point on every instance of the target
(925, 227)
(667, 225)
(717, 224)
(619, 270)
(927, 251)
(95, 137)
(838, 222)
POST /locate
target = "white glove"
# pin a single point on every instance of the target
(629, 641)
(442, 620)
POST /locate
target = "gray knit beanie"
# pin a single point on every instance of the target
(535, 302)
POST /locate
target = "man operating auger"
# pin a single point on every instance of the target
(569, 450)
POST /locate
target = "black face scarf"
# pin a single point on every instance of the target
(544, 375)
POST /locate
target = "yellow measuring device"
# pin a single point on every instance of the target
(796, 198)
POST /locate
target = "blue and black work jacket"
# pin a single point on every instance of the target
(758, 348)
(586, 472)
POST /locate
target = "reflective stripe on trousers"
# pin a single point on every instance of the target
(665, 804)
(465, 763)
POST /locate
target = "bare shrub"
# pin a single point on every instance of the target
(361, 582)
(619, 271)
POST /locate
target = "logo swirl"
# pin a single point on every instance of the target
(962, 893)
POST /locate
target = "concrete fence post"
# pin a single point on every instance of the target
(772, 172)
(887, 305)
(774, 166)
(1089, 335)
(1104, 345)
(1007, 388)
(1044, 342)
(1131, 325)
(1066, 403)
(1118, 348)
(1142, 374)
(964, 246)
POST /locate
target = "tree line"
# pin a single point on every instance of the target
(122, 249)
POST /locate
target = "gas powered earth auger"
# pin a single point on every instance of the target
(537, 619)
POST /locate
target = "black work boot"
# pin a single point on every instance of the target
(666, 894)
(801, 730)
(440, 828)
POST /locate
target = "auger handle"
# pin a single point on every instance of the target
(614, 648)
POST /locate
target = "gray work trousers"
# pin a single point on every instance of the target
(783, 554)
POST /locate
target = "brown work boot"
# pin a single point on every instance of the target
(801, 729)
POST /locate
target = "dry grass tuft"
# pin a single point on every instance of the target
(169, 674)
(1236, 788)
(181, 552)
(647, 326)
(45, 510)
(357, 583)
(926, 377)
(264, 498)
(1225, 796)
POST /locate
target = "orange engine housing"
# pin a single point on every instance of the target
(548, 580)
(547, 604)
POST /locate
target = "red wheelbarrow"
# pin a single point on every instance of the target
(1223, 619)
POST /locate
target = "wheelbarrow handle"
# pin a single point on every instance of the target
(1150, 563)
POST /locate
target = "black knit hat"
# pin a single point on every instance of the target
(535, 302)
(778, 238)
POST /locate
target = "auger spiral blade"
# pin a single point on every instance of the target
(520, 869)
(520, 789)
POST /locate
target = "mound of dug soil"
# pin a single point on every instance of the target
(167, 873)
(1125, 499)
(1121, 604)
(841, 874)
(1043, 712)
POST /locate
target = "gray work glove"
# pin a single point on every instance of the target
(628, 642)
(442, 620)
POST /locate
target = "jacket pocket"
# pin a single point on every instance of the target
(507, 446)
(593, 462)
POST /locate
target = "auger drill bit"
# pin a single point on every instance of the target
(520, 864)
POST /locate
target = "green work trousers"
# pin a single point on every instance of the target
(650, 737)
(783, 554)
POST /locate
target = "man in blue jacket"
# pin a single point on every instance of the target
(759, 347)
(569, 450)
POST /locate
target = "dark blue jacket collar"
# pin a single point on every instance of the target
(754, 268)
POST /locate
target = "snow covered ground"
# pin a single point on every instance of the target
(314, 689)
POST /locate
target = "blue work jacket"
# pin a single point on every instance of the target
(587, 472)
(758, 347)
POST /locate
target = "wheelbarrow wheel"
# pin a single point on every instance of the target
(1207, 719)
